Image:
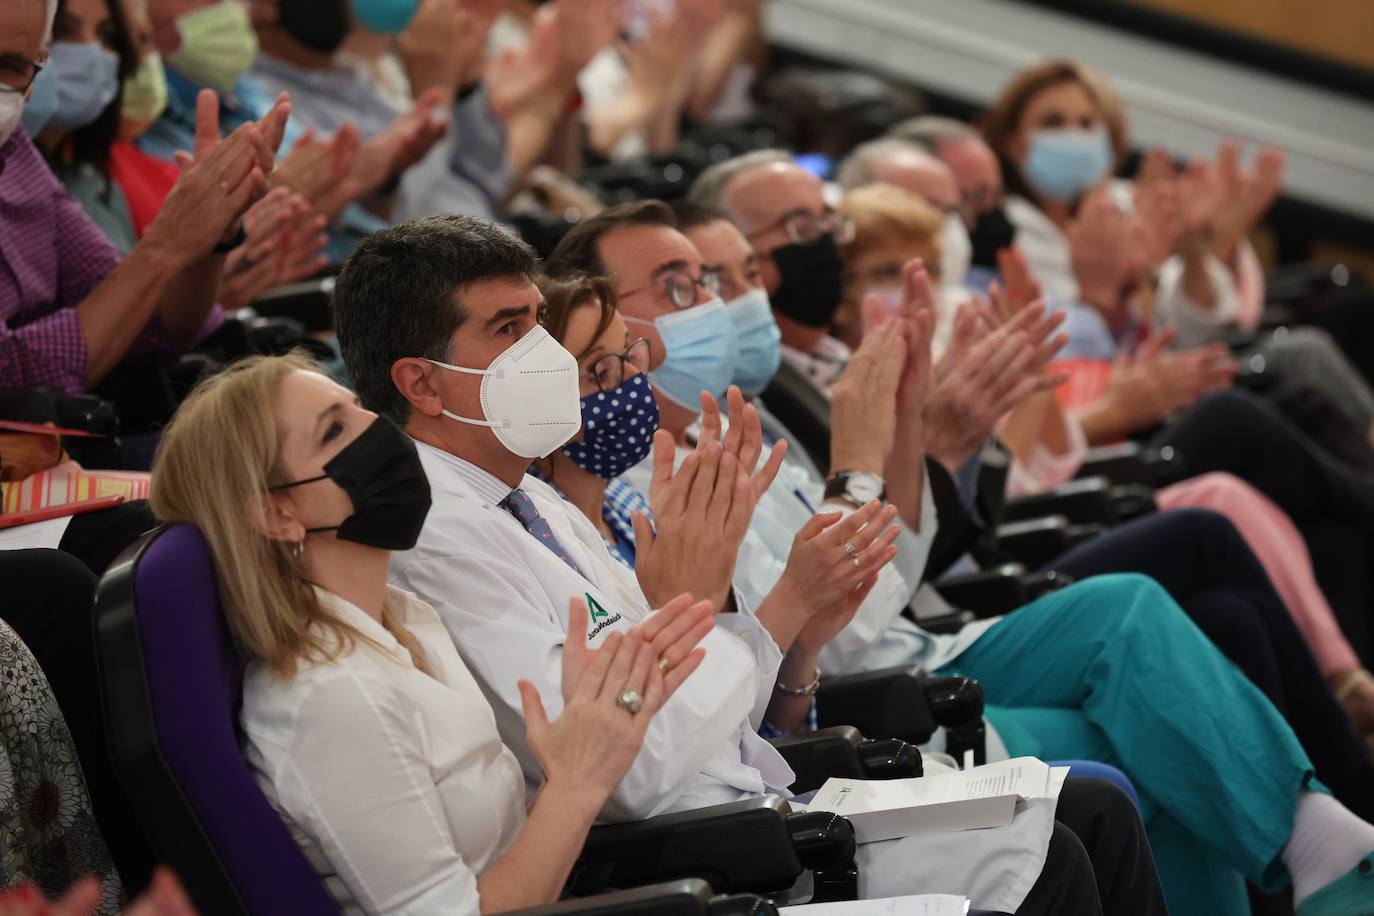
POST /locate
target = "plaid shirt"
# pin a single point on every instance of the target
(621, 501)
(51, 258)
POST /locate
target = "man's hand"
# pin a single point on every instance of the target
(1104, 250)
(444, 45)
(984, 375)
(1145, 387)
(284, 243)
(693, 542)
(318, 170)
(404, 142)
(218, 183)
(863, 403)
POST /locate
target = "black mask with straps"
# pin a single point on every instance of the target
(381, 473)
(992, 232)
(812, 281)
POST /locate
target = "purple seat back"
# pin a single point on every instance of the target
(194, 678)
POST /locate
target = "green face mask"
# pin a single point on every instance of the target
(218, 45)
(145, 93)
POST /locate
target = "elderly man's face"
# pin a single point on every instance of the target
(764, 200)
(22, 24)
(923, 175)
(977, 172)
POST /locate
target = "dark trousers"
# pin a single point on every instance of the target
(1099, 860)
(1326, 498)
(1206, 566)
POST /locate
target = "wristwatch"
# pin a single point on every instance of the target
(856, 487)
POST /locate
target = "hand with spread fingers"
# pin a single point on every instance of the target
(318, 169)
(218, 183)
(284, 242)
(1148, 385)
(610, 695)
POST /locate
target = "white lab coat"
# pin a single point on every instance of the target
(503, 596)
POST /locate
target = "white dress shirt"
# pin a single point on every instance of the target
(394, 782)
(503, 595)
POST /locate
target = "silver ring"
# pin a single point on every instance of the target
(851, 549)
(630, 701)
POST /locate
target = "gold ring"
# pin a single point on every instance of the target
(857, 563)
(663, 665)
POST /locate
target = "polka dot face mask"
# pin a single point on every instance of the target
(618, 428)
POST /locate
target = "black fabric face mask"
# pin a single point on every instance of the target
(381, 473)
(991, 233)
(812, 281)
(320, 25)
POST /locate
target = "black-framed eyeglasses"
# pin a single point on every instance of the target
(805, 228)
(680, 288)
(608, 371)
(18, 73)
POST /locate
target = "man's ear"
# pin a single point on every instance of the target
(413, 379)
(272, 515)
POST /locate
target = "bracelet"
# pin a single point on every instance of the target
(808, 691)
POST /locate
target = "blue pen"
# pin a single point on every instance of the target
(805, 502)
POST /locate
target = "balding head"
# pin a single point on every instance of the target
(26, 27)
(905, 165)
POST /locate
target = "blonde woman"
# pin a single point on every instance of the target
(363, 725)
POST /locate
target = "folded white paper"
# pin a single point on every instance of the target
(919, 905)
(972, 799)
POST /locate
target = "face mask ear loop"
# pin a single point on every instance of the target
(495, 373)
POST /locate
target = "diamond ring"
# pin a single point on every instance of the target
(630, 701)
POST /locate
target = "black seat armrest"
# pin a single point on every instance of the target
(1085, 501)
(986, 593)
(1132, 501)
(1035, 541)
(307, 302)
(888, 703)
(816, 756)
(688, 897)
(743, 846)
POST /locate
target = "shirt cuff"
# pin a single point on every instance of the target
(49, 351)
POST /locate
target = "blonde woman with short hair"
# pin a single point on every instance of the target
(363, 725)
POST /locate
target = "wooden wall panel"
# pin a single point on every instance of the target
(1340, 29)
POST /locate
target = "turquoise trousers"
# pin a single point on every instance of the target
(1111, 669)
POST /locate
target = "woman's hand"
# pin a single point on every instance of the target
(591, 745)
(820, 572)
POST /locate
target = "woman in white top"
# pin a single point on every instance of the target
(364, 727)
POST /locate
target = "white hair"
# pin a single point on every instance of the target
(52, 15)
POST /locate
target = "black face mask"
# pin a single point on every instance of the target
(381, 473)
(991, 233)
(320, 25)
(812, 281)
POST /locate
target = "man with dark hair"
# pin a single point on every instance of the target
(502, 555)
(403, 294)
(579, 250)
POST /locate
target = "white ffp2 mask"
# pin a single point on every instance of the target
(529, 395)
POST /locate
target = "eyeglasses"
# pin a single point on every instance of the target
(18, 73)
(609, 371)
(680, 288)
(806, 228)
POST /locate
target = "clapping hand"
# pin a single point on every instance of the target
(284, 241)
(595, 739)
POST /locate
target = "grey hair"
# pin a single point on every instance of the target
(52, 17)
(859, 168)
(929, 131)
(709, 188)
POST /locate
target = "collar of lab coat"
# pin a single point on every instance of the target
(474, 479)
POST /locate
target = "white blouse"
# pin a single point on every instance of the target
(393, 782)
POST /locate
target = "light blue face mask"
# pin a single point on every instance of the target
(700, 346)
(38, 110)
(758, 341)
(87, 77)
(385, 17)
(1065, 163)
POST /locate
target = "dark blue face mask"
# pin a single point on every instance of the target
(618, 429)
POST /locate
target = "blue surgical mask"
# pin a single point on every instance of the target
(1065, 163)
(38, 110)
(618, 429)
(758, 341)
(87, 77)
(385, 17)
(700, 345)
